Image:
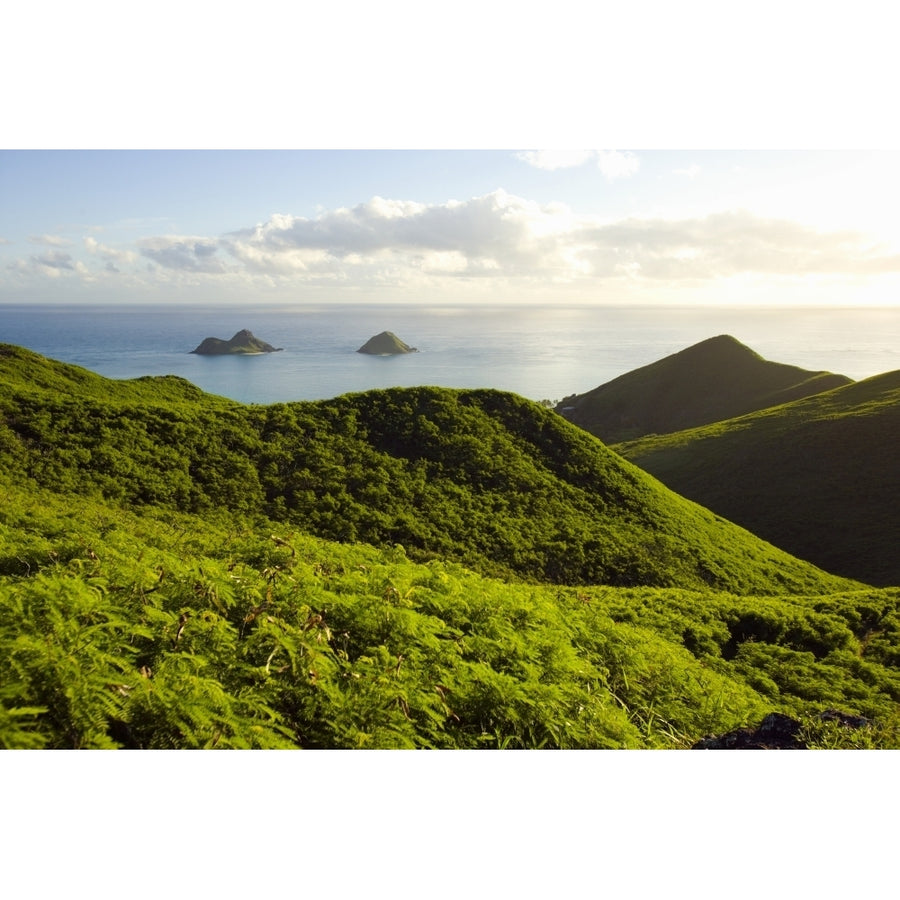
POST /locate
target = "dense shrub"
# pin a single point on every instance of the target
(156, 630)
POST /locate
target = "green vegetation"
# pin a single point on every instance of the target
(481, 477)
(818, 476)
(406, 568)
(717, 379)
(163, 630)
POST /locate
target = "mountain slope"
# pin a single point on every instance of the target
(717, 379)
(818, 477)
(23, 372)
(482, 477)
(148, 628)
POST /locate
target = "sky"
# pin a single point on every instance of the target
(532, 225)
(489, 153)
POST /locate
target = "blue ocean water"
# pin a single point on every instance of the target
(538, 352)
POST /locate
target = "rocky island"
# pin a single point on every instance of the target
(385, 344)
(243, 342)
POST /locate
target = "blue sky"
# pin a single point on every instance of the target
(546, 226)
(648, 220)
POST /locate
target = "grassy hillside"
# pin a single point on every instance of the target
(818, 477)
(481, 477)
(716, 379)
(161, 584)
(158, 629)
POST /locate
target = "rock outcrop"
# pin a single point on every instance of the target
(776, 732)
(243, 342)
(385, 344)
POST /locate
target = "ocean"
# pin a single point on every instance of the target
(543, 353)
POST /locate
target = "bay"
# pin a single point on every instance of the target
(538, 352)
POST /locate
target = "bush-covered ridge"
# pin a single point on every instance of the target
(164, 630)
(719, 378)
(483, 477)
(818, 476)
(160, 588)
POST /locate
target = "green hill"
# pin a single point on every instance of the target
(482, 477)
(154, 629)
(23, 372)
(161, 584)
(716, 379)
(818, 477)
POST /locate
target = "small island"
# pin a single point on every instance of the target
(243, 342)
(386, 344)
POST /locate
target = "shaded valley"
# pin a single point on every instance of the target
(818, 477)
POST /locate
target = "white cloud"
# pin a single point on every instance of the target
(616, 164)
(55, 259)
(732, 243)
(188, 254)
(53, 264)
(555, 159)
(495, 232)
(499, 235)
(112, 257)
(689, 172)
(448, 262)
(497, 241)
(49, 240)
(611, 163)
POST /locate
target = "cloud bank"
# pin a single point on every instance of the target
(192, 254)
(503, 236)
(497, 239)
